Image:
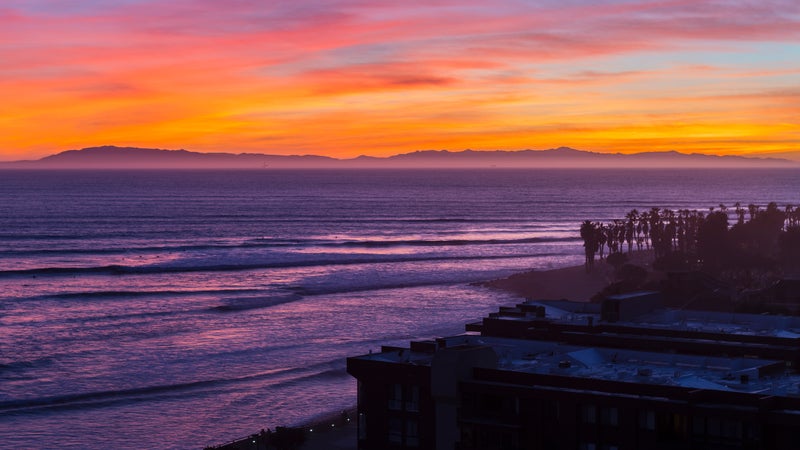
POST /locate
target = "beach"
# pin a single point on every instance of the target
(569, 283)
(566, 283)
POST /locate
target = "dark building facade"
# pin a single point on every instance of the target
(558, 375)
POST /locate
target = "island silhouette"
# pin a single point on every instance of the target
(114, 157)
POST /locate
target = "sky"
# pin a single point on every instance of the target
(344, 78)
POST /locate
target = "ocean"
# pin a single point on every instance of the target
(169, 309)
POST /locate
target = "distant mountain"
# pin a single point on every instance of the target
(570, 157)
(111, 157)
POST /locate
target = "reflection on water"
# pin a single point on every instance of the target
(181, 309)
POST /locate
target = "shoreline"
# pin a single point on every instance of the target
(334, 430)
(565, 283)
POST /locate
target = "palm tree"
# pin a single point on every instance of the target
(630, 228)
(753, 210)
(739, 212)
(590, 242)
(790, 216)
(601, 239)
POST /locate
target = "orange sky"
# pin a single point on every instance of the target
(345, 78)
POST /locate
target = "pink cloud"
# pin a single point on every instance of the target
(234, 58)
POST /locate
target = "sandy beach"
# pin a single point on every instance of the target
(570, 283)
(566, 283)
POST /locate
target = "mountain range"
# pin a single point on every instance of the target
(112, 157)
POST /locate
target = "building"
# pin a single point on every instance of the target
(563, 375)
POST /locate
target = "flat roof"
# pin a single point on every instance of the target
(688, 320)
(746, 375)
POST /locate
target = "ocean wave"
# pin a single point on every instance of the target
(21, 366)
(245, 303)
(116, 269)
(327, 374)
(100, 399)
(350, 287)
(131, 294)
(151, 249)
(110, 269)
(280, 243)
(438, 242)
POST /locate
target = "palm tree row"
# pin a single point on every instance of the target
(698, 238)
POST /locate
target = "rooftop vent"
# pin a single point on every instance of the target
(644, 372)
(565, 364)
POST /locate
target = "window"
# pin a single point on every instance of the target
(732, 429)
(412, 433)
(550, 409)
(698, 425)
(588, 414)
(491, 403)
(467, 433)
(395, 431)
(509, 440)
(727, 429)
(752, 431)
(362, 426)
(647, 420)
(673, 427)
(609, 416)
(395, 397)
(714, 426)
(412, 398)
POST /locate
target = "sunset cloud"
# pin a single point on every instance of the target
(348, 77)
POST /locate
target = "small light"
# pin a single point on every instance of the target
(333, 425)
(310, 430)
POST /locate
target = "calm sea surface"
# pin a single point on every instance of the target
(182, 309)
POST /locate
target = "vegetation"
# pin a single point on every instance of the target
(760, 239)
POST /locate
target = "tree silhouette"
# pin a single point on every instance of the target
(712, 240)
(789, 244)
(591, 242)
(760, 238)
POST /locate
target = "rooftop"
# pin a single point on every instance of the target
(673, 319)
(747, 375)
